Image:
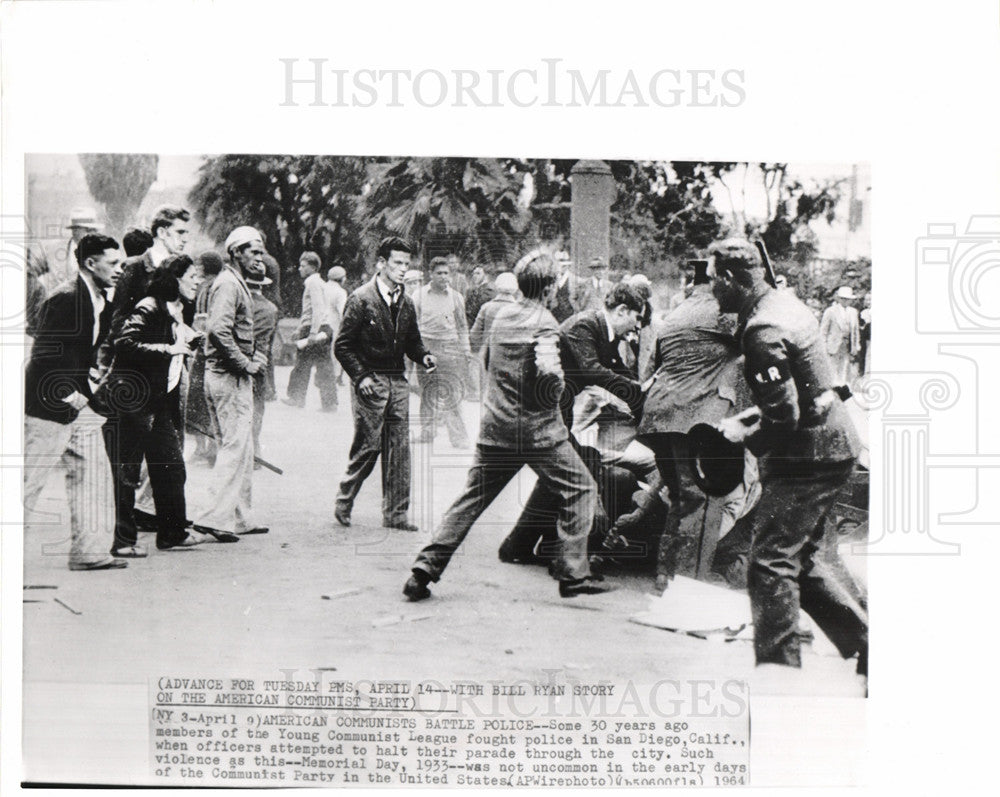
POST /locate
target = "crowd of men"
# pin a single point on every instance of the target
(710, 440)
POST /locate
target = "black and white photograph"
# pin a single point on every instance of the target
(436, 396)
(611, 405)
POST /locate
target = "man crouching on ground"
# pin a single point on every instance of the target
(521, 425)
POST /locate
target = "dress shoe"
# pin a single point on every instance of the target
(342, 516)
(254, 530)
(508, 555)
(415, 588)
(291, 403)
(107, 564)
(218, 534)
(189, 540)
(582, 586)
(130, 552)
(402, 525)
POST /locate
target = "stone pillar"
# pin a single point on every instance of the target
(590, 219)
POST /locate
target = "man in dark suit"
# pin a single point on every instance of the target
(378, 328)
(59, 382)
(590, 356)
(564, 304)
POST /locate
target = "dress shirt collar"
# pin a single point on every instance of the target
(386, 290)
(157, 254)
(607, 322)
(96, 299)
(96, 295)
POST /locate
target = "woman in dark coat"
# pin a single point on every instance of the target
(143, 394)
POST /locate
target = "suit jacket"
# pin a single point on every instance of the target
(697, 368)
(840, 330)
(589, 357)
(229, 327)
(589, 296)
(566, 299)
(368, 342)
(63, 352)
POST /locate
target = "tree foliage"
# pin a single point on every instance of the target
(489, 211)
(300, 203)
(119, 183)
(469, 206)
(791, 206)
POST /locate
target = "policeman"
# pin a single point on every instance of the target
(807, 445)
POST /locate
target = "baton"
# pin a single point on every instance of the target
(768, 268)
(259, 460)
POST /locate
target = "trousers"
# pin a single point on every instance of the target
(78, 449)
(785, 574)
(563, 474)
(540, 513)
(316, 356)
(230, 406)
(151, 435)
(381, 429)
(679, 543)
(442, 391)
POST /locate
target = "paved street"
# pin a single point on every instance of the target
(312, 594)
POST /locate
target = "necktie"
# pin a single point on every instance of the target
(394, 305)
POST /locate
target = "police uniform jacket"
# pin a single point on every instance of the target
(789, 372)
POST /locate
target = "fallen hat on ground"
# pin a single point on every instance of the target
(716, 463)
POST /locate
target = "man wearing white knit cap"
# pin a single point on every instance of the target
(230, 363)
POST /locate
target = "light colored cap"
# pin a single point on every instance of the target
(336, 273)
(242, 236)
(506, 282)
(84, 217)
(845, 292)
